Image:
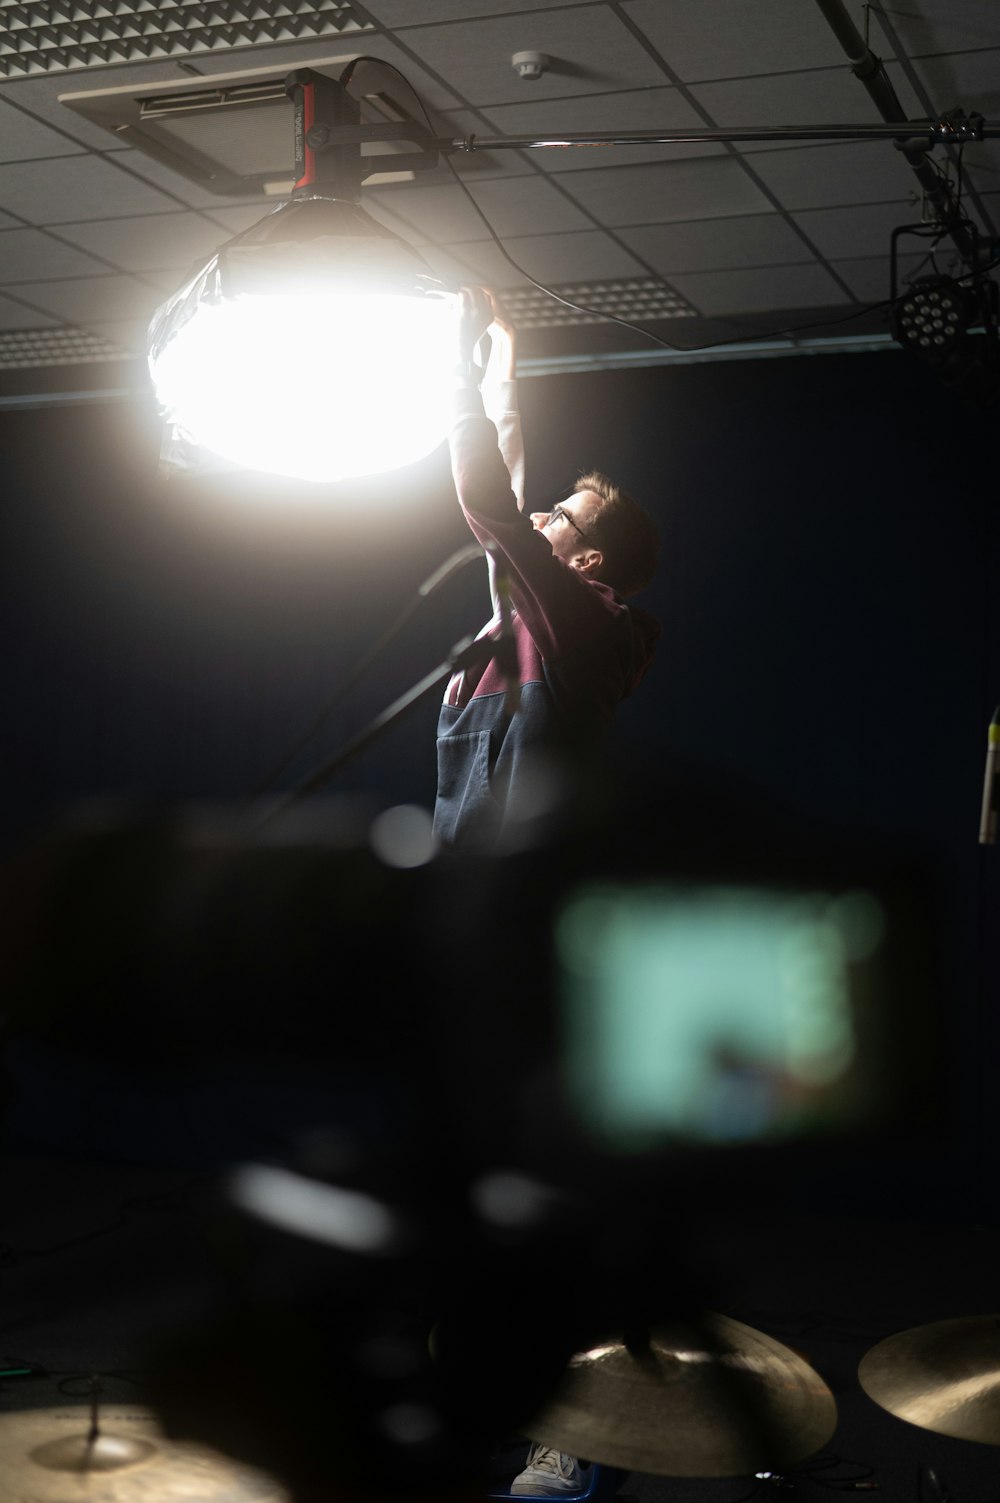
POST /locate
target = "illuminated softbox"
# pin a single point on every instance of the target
(316, 344)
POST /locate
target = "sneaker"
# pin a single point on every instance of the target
(550, 1474)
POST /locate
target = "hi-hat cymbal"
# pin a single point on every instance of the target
(711, 1399)
(944, 1376)
(47, 1456)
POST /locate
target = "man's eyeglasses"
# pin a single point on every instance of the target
(559, 512)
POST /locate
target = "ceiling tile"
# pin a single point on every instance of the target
(513, 206)
(22, 137)
(939, 25)
(399, 226)
(982, 163)
(635, 109)
(714, 187)
(717, 244)
(701, 39)
(237, 217)
(74, 188)
(586, 256)
(476, 261)
(169, 280)
(869, 277)
(113, 298)
(181, 189)
(591, 52)
(756, 291)
(822, 96)
(841, 233)
(854, 172)
(965, 80)
(33, 254)
(149, 242)
(15, 315)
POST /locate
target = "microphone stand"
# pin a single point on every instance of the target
(466, 653)
(440, 575)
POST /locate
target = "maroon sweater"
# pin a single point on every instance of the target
(580, 650)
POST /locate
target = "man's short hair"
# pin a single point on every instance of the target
(625, 533)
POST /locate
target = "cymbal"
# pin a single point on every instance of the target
(944, 1376)
(708, 1399)
(46, 1456)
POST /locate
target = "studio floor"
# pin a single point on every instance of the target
(99, 1255)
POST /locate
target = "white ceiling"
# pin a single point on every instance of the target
(713, 242)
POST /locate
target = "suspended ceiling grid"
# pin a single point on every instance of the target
(769, 245)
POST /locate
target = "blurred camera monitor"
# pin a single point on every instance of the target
(725, 1014)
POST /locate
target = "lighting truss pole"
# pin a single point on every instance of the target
(328, 122)
(869, 69)
(952, 131)
(341, 134)
(329, 136)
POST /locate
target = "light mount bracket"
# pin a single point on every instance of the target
(328, 137)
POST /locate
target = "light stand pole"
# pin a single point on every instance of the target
(469, 652)
(954, 131)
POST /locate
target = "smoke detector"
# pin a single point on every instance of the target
(530, 64)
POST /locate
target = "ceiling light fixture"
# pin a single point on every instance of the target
(954, 326)
(316, 344)
(952, 322)
(933, 317)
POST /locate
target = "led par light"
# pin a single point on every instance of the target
(933, 317)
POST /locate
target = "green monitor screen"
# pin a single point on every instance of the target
(718, 1014)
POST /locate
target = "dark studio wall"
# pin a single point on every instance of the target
(831, 641)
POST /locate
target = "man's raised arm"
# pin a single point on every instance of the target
(500, 393)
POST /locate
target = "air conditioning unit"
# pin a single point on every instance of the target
(232, 133)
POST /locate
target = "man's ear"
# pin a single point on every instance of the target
(589, 562)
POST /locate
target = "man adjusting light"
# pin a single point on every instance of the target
(506, 774)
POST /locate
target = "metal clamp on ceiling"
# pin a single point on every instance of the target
(328, 125)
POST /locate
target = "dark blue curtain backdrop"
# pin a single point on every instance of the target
(828, 595)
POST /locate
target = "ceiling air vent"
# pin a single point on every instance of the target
(232, 133)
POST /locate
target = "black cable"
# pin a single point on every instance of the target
(637, 328)
(442, 573)
(826, 1461)
(540, 286)
(958, 180)
(11, 1257)
(89, 1379)
(679, 349)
